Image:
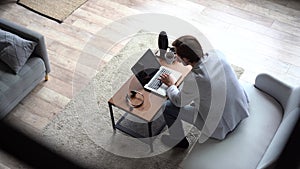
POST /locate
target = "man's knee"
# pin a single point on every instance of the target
(170, 109)
(167, 106)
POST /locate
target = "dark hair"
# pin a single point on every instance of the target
(188, 47)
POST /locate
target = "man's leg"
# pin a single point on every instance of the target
(173, 116)
(171, 113)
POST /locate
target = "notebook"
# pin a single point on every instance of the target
(147, 70)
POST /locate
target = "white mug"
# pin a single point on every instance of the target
(170, 57)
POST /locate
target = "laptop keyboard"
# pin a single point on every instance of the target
(156, 83)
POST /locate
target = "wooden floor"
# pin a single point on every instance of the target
(260, 36)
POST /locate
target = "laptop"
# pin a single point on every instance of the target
(147, 70)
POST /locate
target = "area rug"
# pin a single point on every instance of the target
(83, 130)
(57, 10)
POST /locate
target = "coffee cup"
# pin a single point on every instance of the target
(170, 57)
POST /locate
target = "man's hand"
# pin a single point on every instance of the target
(167, 79)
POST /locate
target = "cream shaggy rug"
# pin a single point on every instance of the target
(83, 131)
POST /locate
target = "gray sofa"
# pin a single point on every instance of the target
(259, 140)
(14, 87)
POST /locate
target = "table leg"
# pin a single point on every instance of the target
(112, 116)
(150, 135)
(150, 129)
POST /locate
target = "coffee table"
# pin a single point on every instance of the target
(152, 102)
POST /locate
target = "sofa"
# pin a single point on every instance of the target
(23, 63)
(259, 140)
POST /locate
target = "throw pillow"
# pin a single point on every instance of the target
(14, 50)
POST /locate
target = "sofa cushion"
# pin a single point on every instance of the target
(14, 50)
(247, 144)
(15, 87)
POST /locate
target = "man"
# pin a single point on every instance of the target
(211, 97)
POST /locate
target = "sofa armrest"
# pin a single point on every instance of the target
(285, 94)
(28, 34)
(280, 139)
(289, 98)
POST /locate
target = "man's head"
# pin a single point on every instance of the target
(188, 49)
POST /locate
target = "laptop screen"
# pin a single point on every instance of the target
(146, 67)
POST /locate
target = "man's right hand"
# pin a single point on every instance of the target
(167, 79)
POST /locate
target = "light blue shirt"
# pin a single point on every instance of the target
(212, 86)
